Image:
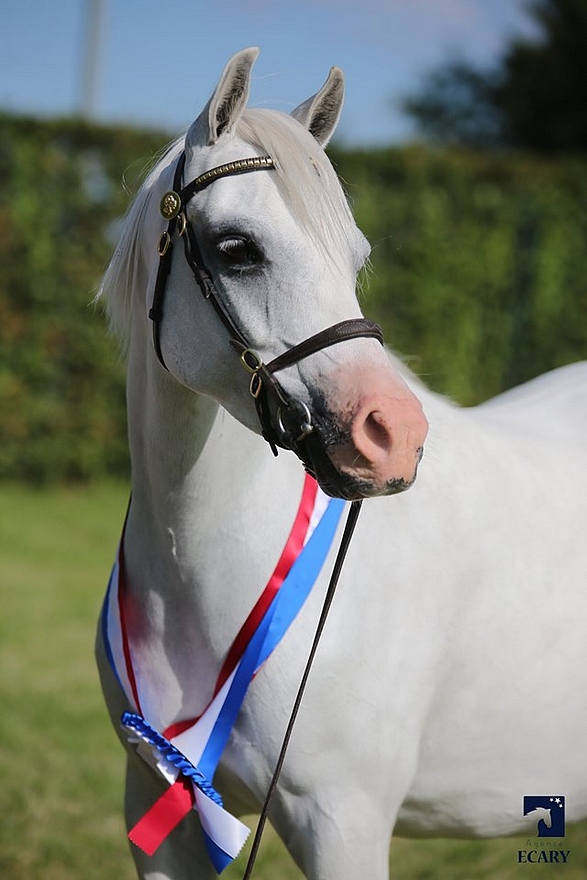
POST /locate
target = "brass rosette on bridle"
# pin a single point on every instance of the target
(170, 205)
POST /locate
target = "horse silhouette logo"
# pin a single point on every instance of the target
(547, 812)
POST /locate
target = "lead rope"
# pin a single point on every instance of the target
(342, 551)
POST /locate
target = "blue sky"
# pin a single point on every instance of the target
(160, 59)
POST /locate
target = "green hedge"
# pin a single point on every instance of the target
(479, 262)
(479, 271)
(61, 382)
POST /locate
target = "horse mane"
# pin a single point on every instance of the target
(126, 269)
(307, 181)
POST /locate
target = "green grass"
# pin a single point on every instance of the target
(61, 768)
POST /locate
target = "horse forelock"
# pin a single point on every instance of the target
(308, 186)
(308, 183)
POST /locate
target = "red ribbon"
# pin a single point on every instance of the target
(165, 814)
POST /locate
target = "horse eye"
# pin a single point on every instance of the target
(239, 252)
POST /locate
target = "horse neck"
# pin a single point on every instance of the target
(172, 443)
(168, 429)
(199, 481)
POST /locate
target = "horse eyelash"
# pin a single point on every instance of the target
(254, 252)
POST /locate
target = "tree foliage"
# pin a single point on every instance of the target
(536, 98)
(457, 106)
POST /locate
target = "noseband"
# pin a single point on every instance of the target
(286, 422)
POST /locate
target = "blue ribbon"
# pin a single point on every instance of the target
(171, 754)
(285, 606)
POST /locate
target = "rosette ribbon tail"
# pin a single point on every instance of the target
(224, 835)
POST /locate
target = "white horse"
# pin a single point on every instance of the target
(459, 626)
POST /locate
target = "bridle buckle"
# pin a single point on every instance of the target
(255, 386)
(251, 360)
(164, 243)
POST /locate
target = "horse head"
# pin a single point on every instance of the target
(272, 329)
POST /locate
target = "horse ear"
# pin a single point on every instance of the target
(227, 104)
(320, 113)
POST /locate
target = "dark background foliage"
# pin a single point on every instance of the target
(535, 98)
(479, 276)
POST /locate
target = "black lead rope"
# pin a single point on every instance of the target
(349, 528)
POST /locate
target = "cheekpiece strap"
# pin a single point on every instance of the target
(172, 208)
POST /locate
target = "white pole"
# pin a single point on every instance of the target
(92, 58)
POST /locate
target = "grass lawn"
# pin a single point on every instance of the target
(60, 765)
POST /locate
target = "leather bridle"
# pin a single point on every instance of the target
(286, 422)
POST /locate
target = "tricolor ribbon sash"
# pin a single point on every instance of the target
(187, 753)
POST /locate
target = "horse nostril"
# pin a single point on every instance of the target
(372, 437)
(377, 432)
